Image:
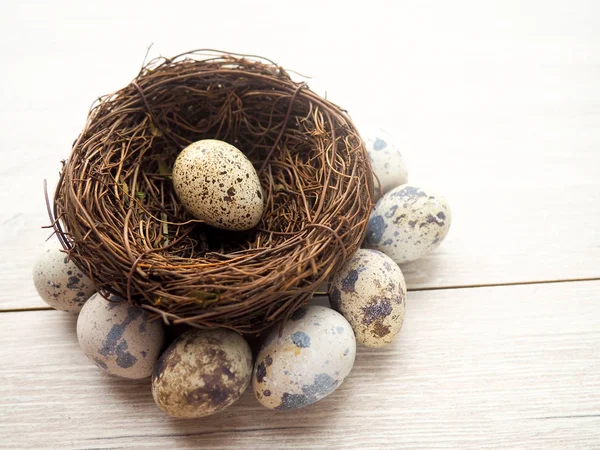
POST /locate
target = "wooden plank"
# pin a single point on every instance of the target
(498, 112)
(503, 367)
(523, 191)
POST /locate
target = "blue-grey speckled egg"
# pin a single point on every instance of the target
(311, 358)
(386, 160)
(408, 222)
(59, 281)
(370, 293)
(118, 337)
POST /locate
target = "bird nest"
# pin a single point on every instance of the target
(116, 212)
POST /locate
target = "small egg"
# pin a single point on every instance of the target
(386, 161)
(59, 281)
(308, 361)
(218, 184)
(370, 293)
(202, 373)
(408, 223)
(118, 337)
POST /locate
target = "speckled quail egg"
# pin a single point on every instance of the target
(59, 281)
(311, 358)
(408, 223)
(386, 161)
(118, 337)
(202, 373)
(218, 184)
(370, 293)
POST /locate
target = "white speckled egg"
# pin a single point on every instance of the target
(311, 358)
(118, 337)
(408, 223)
(202, 373)
(218, 184)
(59, 281)
(386, 161)
(370, 293)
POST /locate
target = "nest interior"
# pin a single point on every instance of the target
(116, 212)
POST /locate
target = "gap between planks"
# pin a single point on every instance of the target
(514, 283)
(441, 288)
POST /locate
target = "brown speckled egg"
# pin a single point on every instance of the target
(59, 282)
(218, 184)
(118, 337)
(202, 373)
(370, 293)
(386, 160)
(408, 223)
(311, 358)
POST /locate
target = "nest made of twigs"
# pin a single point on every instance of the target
(116, 211)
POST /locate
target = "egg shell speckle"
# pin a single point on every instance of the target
(218, 184)
(311, 359)
(202, 373)
(386, 161)
(59, 282)
(370, 293)
(408, 223)
(118, 337)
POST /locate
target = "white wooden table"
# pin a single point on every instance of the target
(497, 104)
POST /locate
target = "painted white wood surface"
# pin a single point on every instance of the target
(501, 367)
(495, 103)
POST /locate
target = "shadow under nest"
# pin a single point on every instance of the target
(116, 211)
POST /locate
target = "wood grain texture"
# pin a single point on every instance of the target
(495, 104)
(502, 367)
(497, 108)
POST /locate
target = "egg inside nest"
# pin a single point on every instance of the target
(219, 185)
